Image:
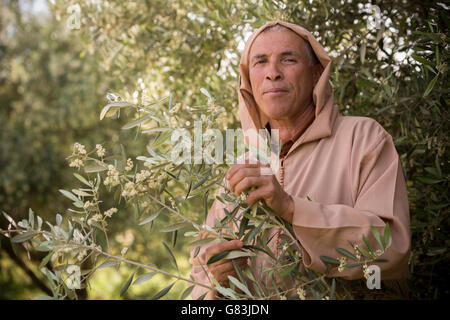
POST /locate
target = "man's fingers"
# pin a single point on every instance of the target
(249, 182)
(241, 174)
(238, 167)
(223, 246)
(256, 195)
(222, 271)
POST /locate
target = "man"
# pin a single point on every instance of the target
(347, 166)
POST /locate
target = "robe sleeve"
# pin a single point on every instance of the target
(380, 197)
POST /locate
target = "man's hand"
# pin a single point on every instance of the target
(221, 269)
(242, 177)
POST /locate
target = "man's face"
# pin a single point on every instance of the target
(281, 77)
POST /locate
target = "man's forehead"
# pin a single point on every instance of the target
(279, 41)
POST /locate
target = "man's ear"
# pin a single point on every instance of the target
(317, 70)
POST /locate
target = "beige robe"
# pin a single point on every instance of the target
(348, 166)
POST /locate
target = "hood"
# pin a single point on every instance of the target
(325, 111)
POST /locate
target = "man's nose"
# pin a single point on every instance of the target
(273, 72)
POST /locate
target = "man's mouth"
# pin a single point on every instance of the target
(275, 92)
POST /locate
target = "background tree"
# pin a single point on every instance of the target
(389, 64)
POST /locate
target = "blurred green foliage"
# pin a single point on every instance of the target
(53, 83)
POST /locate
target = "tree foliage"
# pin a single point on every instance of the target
(55, 79)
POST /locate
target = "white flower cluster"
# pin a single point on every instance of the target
(95, 218)
(129, 165)
(77, 163)
(112, 178)
(88, 205)
(129, 190)
(110, 212)
(79, 149)
(142, 175)
(301, 293)
(366, 271)
(100, 150)
(378, 253)
(343, 262)
(83, 253)
(358, 255)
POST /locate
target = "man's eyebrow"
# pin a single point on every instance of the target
(284, 53)
(259, 56)
(289, 53)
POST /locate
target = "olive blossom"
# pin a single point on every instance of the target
(100, 150)
(112, 178)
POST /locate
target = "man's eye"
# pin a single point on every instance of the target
(290, 60)
(260, 61)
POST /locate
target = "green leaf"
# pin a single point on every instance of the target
(202, 181)
(367, 243)
(39, 220)
(176, 226)
(242, 227)
(186, 292)
(93, 167)
(238, 271)
(108, 264)
(422, 60)
(202, 296)
(81, 193)
(240, 285)
(201, 242)
(174, 238)
(333, 288)
(234, 254)
(82, 179)
(226, 292)
(218, 256)
(127, 284)
(151, 218)
(58, 219)
(111, 109)
(196, 251)
(43, 247)
(31, 218)
(330, 260)
(428, 180)
(266, 249)
(136, 122)
(69, 195)
(255, 231)
(205, 206)
(288, 270)
(366, 254)
(353, 265)
(171, 256)
(377, 236)
(430, 86)
(386, 236)
(163, 292)
(145, 277)
(206, 93)
(346, 253)
(46, 260)
(23, 236)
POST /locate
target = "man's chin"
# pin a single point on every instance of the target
(277, 114)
